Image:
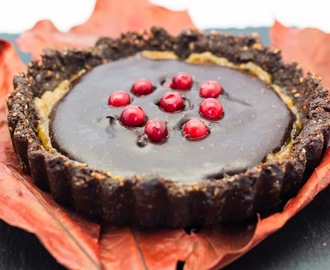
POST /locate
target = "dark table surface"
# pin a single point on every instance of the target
(303, 243)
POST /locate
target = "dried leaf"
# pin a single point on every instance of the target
(73, 240)
(309, 47)
(110, 18)
(128, 248)
(10, 64)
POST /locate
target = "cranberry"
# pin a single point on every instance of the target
(171, 102)
(211, 109)
(119, 98)
(142, 87)
(195, 129)
(156, 130)
(132, 116)
(210, 89)
(181, 81)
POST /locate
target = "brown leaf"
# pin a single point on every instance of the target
(72, 240)
(109, 18)
(310, 47)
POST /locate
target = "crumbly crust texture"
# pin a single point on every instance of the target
(152, 200)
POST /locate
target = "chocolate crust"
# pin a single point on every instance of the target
(152, 200)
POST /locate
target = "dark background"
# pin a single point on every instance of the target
(303, 243)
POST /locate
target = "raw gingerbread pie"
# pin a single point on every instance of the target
(156, 130)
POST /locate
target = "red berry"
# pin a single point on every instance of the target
(210, 89)
(119, 98)
(132, 116)
(156, 130)
(142, 87)
(171, 102)
(181, 81)
(211, 109)
(195, 129)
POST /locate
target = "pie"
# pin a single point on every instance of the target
(157, 130)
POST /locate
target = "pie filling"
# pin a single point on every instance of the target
(256, 121)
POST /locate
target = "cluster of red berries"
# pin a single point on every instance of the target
(156, 130)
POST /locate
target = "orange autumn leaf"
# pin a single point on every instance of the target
(128, 248)
(10, 64)
(309, 47)
(110, 18)
(79, 244)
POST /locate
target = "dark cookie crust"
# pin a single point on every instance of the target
(154, 201)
